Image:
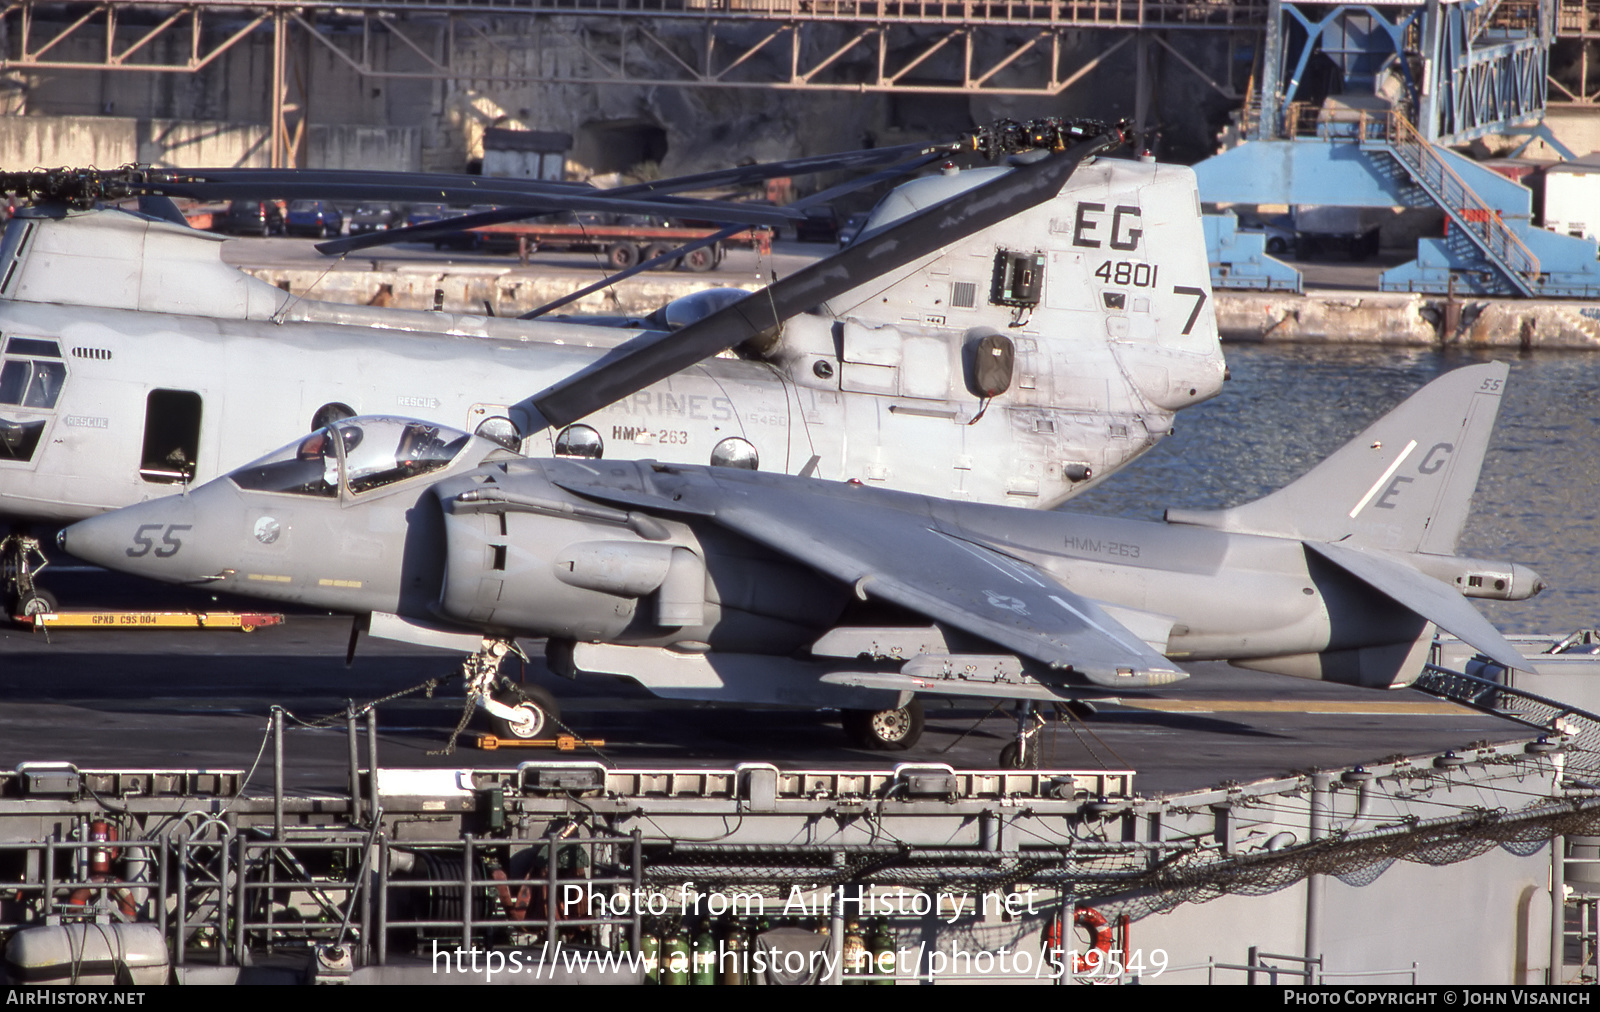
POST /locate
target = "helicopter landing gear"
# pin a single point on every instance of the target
(1023, 754)
(21, 559)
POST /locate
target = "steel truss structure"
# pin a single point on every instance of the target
(1006, 47)
(901, 40)
(1577, 28)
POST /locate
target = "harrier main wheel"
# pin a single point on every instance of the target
(887, 730)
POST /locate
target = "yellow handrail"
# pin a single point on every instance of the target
(1461, 202)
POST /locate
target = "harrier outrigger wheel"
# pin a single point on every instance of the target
(1023, 754)
(886, 730)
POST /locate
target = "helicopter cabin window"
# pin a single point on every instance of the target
(501, 430)
(171, 437)
(333, 411)
(579, 441)
(735, 452)
(1018, 279)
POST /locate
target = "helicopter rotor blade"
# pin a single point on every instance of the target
(615, 199)
(638, 364)
(842, 161)
(743, 215)
(820, 197)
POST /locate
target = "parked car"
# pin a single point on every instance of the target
(376, 218)
(821, 224)
(252, 217)
(422, 214)
(314, 217)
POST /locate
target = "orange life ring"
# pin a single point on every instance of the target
(124, 898)
(1095, 922)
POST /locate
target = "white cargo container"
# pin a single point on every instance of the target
(1572, 197)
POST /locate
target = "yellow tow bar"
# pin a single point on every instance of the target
(244, 621)
(561, 743)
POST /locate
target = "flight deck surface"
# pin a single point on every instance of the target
(196, 699)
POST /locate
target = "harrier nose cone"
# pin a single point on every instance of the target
(146, 539)
(96, 539)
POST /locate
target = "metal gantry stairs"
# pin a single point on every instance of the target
(1469, 214)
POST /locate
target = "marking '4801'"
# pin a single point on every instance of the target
(1122, 233)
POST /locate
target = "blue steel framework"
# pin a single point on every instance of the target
(1409, 79)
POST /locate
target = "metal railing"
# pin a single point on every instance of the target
(1393, 133)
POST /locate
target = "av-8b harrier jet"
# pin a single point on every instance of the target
(745, 587)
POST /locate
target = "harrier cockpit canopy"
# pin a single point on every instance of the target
(359, 455)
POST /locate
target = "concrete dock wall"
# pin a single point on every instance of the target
(1407, 319)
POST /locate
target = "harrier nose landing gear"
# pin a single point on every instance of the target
(534, 711)
(515, 711)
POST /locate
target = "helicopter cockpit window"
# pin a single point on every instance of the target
(33, 346)
(18, 440)
(31, 384)
(382, 451)
(309, 467)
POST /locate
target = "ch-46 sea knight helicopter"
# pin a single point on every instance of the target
(1008, 334)
(747, 587)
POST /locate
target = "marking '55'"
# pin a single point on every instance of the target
(170, 543)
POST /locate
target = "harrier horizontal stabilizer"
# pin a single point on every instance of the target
(1437, 602)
